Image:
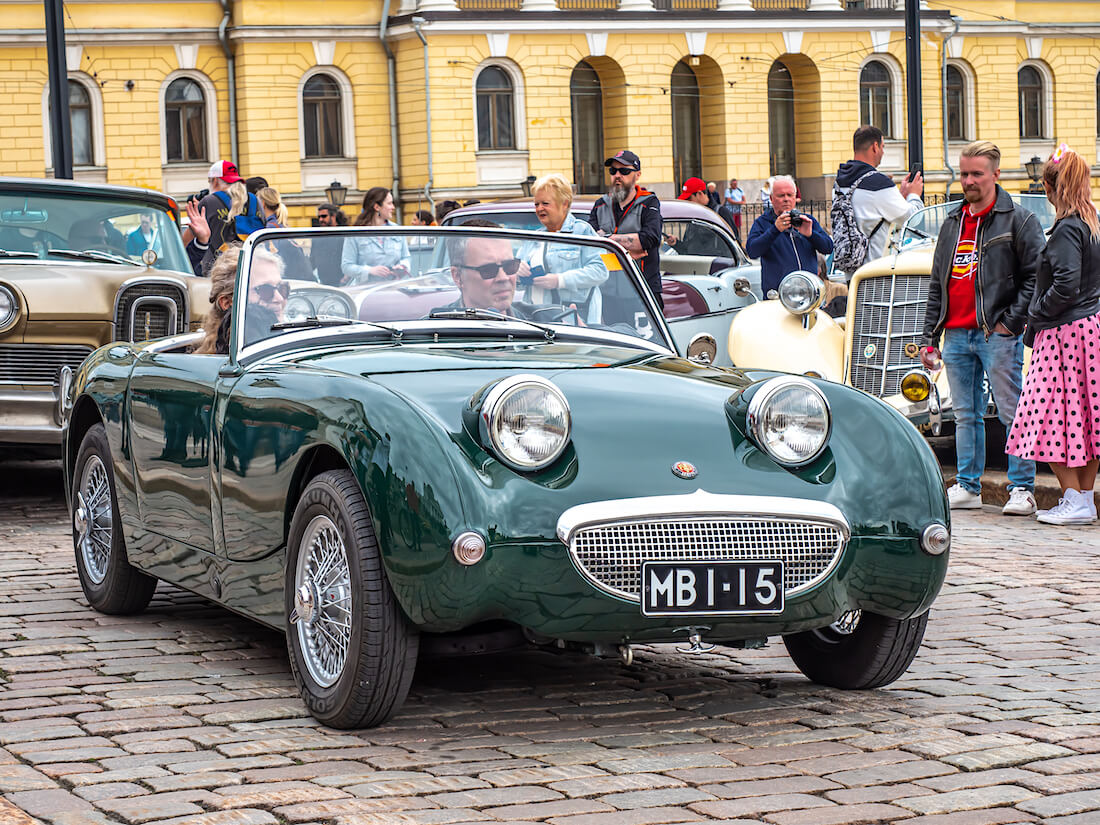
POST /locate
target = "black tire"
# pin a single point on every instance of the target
(875, 653)
(111, 584)
(369, 682)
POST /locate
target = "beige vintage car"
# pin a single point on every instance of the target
(876, 347)
(81, 265)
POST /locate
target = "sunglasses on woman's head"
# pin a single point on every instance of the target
(489, 271)
(267, 291)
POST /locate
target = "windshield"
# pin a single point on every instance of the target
(925, 224)
(393, 276)
(46, 224)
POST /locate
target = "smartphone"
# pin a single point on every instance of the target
(913, 170)
(536, 271)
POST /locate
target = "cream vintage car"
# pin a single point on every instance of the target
(876, 346)
(81, 265)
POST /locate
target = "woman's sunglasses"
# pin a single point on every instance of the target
(489, 271)
(267, 291)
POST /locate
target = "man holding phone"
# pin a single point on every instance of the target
(879, 205)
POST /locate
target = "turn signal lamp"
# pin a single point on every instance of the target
(916, 386)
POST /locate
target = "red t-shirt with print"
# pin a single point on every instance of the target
(962, 309)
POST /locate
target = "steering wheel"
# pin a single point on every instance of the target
(556, 313)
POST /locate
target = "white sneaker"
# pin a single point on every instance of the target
(1072, 508)
(1089, 500)
(1021, 502)
(959, 498)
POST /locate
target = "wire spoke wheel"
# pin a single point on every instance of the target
(323, 600)
(92, 519)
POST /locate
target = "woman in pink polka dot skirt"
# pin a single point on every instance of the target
(1058, 417)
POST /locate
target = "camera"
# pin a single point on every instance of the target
(198, 196)
(796, 218)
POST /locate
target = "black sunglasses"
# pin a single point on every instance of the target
(489, 271)
(619, 170)
(267, 291)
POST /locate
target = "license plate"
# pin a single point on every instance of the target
(719, 587)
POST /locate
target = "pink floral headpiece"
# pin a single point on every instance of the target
(1059, 153)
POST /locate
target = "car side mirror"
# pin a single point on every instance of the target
(741, 287)
(702, 349)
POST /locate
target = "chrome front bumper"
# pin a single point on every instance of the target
(30, 416)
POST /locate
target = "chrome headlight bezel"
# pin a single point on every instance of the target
(801, 279)
(298, 307)
(326, 303)
(759, 407)
(10, 315)
(490, 419)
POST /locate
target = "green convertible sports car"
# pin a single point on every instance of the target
(505, 432)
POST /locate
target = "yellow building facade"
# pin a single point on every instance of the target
(461, 99)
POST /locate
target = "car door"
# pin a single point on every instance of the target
(171, 394)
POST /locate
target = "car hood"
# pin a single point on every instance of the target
(72, 290)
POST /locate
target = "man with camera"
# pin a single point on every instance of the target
(784, 239)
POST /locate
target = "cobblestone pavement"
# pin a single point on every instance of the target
(187, 714)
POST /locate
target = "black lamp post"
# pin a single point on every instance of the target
(525, 185)
(1034, 168)
(336, 193)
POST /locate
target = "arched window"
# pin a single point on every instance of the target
(321, 110)
(185, 121)
(781, 140)
(80, 117)
(687, 151)
(586, 103)
(956, 104)
(495, 109)
(875, 92)
(1032, 115)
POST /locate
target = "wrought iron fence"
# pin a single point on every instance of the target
(685, 5)
(890, 5)
(588, 5)
(818, 208)
(489, 5)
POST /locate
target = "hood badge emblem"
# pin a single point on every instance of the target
(684, 469)
(912, 350)
(869, 351)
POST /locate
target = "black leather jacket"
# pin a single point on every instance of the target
(1067, 286)
(1009, 245)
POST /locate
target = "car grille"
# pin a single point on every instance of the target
(37, 363)
(889, 314)
(151, 320)
(611, 555)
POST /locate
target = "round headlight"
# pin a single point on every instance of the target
(9, 307)
(915, 385)
(801, 292)
(525, 420)
(298, 308)
(789, 419)
(333, 306)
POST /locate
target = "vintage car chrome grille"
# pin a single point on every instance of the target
(38, 363)
(611, 555)
(889, 313)
(151, 310)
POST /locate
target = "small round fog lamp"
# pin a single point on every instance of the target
(915, 385)
(468, 548)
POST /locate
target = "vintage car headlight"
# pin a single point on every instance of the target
(9, 307)
(916, 385)
(334, 306)
(298, 308)
(789, 419)
(801, 292)
(525, 421)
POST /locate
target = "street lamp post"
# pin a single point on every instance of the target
(912, 83)
(525, 185)
(336, 193)
(61, 138)
(1034, 168)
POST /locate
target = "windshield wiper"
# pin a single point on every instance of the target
(10, 253)
(477, 314)
(94, 255)
(319, 321)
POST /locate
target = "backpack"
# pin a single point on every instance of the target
(248, 221)
(849, 242)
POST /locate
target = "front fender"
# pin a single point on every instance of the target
(766, 336)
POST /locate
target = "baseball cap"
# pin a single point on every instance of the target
(690, 187)
(224, 169)
(626, 158)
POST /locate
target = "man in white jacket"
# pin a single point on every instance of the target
(878, 204)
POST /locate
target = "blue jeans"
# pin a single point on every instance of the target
(966, 355)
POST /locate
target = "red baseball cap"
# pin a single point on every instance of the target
(226, 170)
(690, 187)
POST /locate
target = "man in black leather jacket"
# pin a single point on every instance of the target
(983, 277)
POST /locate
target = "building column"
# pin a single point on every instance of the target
(636, 5)
(735, 5)
(436, 5)
(539, 5)
(826, 5)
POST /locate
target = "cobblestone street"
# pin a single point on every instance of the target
(188, 713)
